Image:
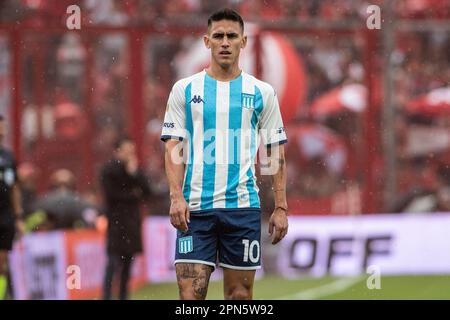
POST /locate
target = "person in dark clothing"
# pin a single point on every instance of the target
(63, 206)
(11, 211)
(125, 186)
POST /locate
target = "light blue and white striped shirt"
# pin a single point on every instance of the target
(221, 124)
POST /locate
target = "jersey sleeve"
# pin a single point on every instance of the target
(175, 116)
(271, 124)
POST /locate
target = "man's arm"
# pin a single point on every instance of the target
(278, 219)
(179, 211)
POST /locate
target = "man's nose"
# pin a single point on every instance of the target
(225, 42)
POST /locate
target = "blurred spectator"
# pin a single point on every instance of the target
(70, 121)
(125, 186)
(63, 206)
(28, 176)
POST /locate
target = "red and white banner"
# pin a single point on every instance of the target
(38, 267)
(42, 265)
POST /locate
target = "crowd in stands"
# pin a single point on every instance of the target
(126, 12)
(420, 60)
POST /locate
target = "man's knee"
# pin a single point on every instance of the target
(239, 292)
(190, 290)
(193, 288)
(189, 293)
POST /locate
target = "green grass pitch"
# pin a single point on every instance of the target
(435, 287)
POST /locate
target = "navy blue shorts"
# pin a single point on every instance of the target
(229, 237)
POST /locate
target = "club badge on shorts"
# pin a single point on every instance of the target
(185, 245)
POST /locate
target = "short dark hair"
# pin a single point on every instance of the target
(121, 140)
(225, 14)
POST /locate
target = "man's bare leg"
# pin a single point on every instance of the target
(238, 284)
(193, 280)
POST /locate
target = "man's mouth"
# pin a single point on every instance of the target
(224, 53)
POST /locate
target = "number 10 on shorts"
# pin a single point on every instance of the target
(249, 250)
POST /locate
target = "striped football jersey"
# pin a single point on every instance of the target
(221, 125)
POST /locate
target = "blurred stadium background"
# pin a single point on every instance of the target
(367, 114)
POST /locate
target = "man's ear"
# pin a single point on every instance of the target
(244, 42)
(206, 41)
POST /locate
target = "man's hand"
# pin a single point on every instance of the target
(179, 214)
(132, 165)
(279, 221)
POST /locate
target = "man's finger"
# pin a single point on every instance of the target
(270, 227)
(188, 215)
(175, 220)
(283, 234)
(183, 224)
(277, 236)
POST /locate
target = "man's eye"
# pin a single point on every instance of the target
(232, 35)
(218, 36)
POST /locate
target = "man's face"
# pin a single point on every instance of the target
(126, 151)
(225, 39)
(2, 131)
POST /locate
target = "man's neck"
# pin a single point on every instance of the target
(217, 72)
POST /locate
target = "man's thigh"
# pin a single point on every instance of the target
(193, 280)
(195, 256)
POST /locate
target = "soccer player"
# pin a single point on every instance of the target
(214, 120)
(10, 207)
